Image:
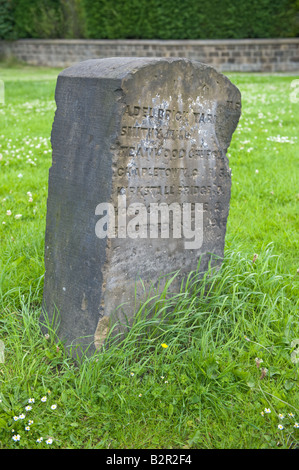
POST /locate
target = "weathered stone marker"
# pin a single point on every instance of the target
(139, 186)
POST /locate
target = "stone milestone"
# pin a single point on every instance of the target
(139, 186)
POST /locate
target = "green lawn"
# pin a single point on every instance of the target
(231, 338)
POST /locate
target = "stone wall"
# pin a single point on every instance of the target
(244, 55)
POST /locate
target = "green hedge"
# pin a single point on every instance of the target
(149, 19)
(190, 19)
(47, 18)
(6, 20)
(37, 18)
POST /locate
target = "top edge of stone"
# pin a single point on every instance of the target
(120, 67)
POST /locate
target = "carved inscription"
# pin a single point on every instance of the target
(169, 152)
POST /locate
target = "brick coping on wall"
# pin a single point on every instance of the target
(252, 55)
(197, 42)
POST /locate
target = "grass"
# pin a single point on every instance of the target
(231, 338)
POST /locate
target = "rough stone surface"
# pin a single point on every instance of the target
(230, 55)
(132, 131)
